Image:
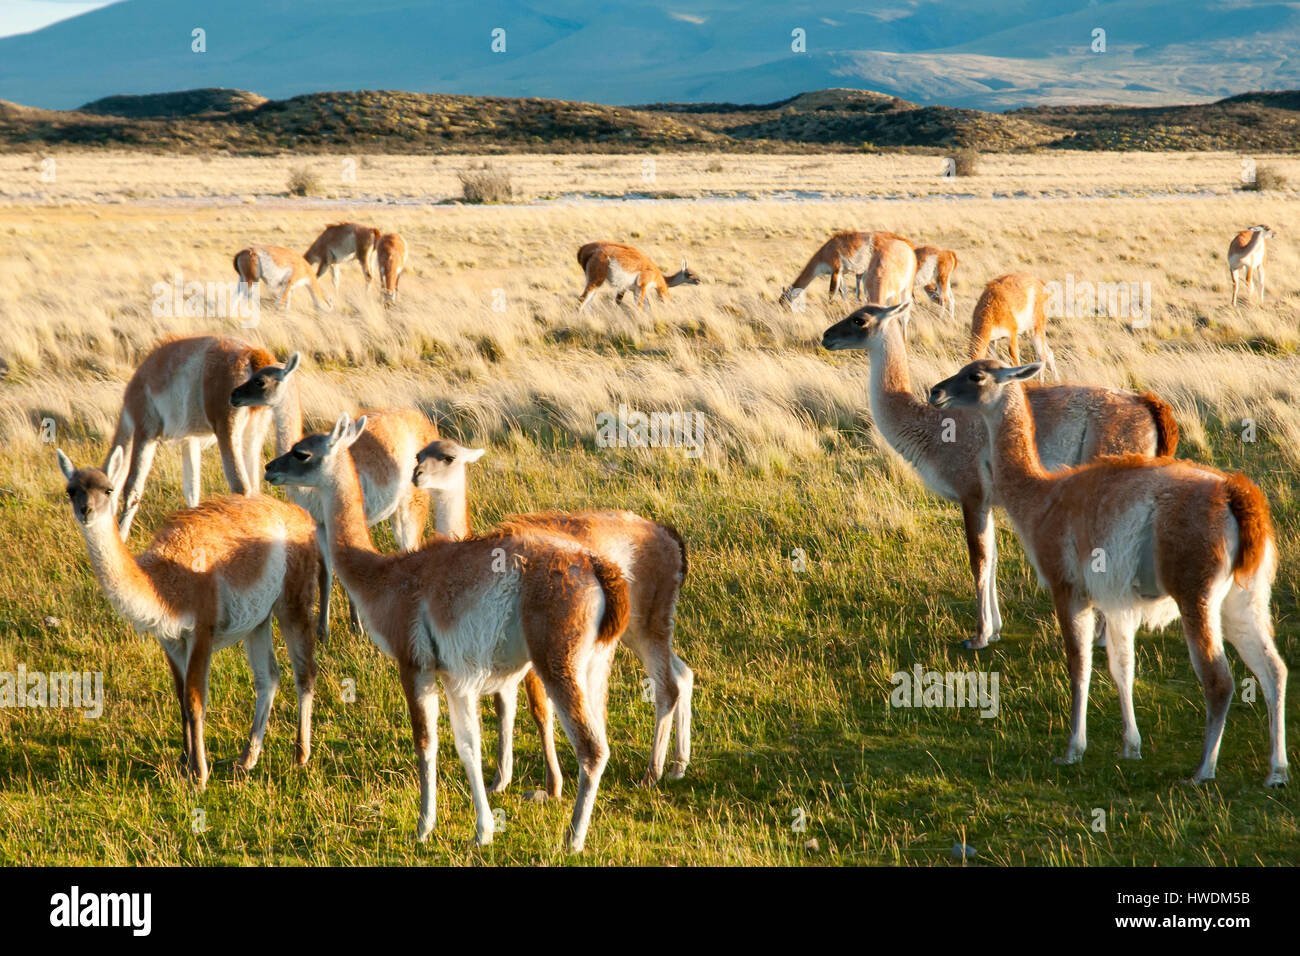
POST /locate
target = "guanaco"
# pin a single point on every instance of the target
(652, 556)
(1141, 540)
(626, 270)
(181, 392)
(339, 242)
(1009, 305)
(948, 450)
(283, 270)
(1246, 254)
(476, 614)
(213, 576)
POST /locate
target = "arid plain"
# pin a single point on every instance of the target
(795, 737)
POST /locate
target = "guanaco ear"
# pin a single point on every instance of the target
(1018, 374)
(354, 431)
(471, 455)
(290, 365)
(340, 427)
(65, 465)
(116, 467)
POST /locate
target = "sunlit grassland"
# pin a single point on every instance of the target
(793, 666)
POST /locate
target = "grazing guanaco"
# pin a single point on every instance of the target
(283, 270)
(948, 450)
(1143, 541)
(934, 268)
(626, 269)
(652, 557)
(391, 253)
(1009, 305)
(213, 576)
(340, 242)
(181, 392)
(476, 614)
(883, 261)
(382, 455)
(1246, 254)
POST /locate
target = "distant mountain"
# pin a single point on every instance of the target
(986, 54)
(387, 121)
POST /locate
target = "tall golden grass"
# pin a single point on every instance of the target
(486, 337)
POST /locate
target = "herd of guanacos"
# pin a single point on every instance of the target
(1112, 523)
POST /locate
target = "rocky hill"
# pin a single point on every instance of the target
(838, 119)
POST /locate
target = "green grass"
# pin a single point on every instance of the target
(791, 702)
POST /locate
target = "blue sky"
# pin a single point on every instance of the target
(23, 16)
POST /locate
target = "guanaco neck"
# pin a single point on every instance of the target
(352, 552)
(288, 420)
(808, 274)
(908, 424)
(1018, 473)
(127, 586)
(451, 506)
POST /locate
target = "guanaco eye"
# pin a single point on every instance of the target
(447, 459)
(302, 455)
(859, 321)
(977, 376)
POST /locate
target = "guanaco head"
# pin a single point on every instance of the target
(90, 491)
(304, 464)
(980, 384)
(1263, 230)
(441, 464)
(683, 276)
(789, 295)
(863, 327)
(266, 386)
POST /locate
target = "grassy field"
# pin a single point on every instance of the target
(792, 663)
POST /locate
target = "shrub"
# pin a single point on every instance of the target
(964, 162)
(1266, 178)
(486, 184)
(303, 182)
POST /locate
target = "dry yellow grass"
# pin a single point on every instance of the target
(793, 668)
(486, 334)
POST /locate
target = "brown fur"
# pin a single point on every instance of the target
(1065, 518)
(1079, 423)
(1162, 415)
(656, 564)
(940, 288)
(216, 366)
(595, 258)
(885, 259)
(447, 580)
(249, 268)
(197, 557)
(391, 255)
(339, 242)
(1255, 525)
(996, 315)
